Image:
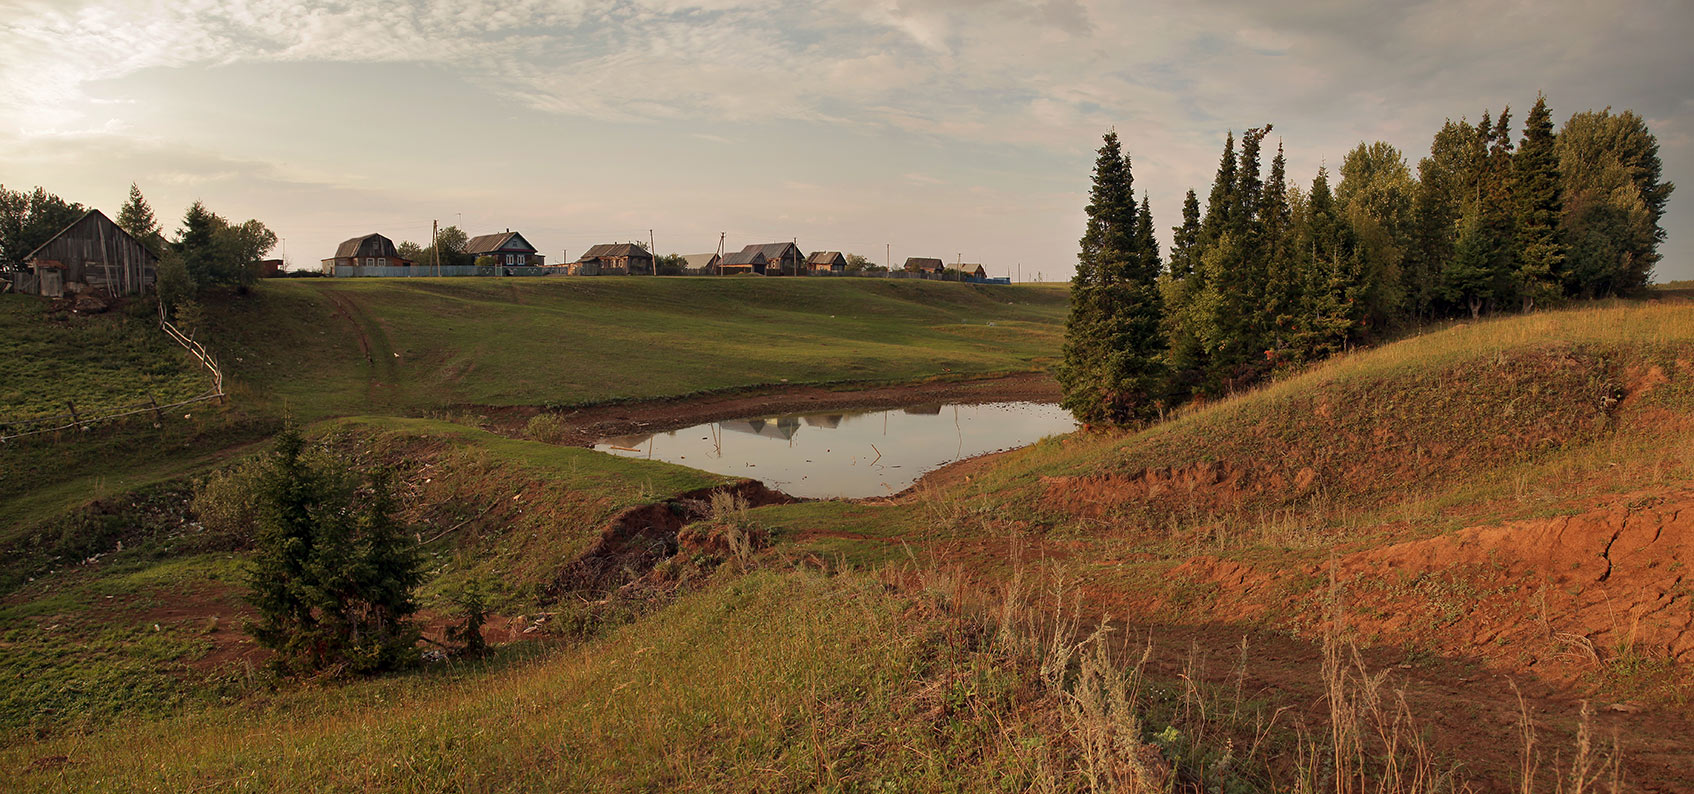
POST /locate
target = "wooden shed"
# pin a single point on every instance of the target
(747, 260)
(91, 255)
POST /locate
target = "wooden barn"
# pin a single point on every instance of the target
(508, 248)
(91, 255)
(371, 250)
(614, 259)
(826, 262)
(780, 258)
(747, 260)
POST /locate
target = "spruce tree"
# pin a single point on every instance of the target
(196, 245)
(136, 217)
(1282, 278)
(1539, 203)
(333, 572)
(1181, 284)
(1112, 370)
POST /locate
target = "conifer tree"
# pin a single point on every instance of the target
(1334, 276)
(1282, 278)
(1181, 285)
(1112, 371)
(333, 573)
(1185, 238)
(136, 217)
(1221, 202)
(1540, 205)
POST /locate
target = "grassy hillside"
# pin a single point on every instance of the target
(313, 349)
(100, 363)
(320, 348)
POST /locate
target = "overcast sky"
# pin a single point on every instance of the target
(945, 128)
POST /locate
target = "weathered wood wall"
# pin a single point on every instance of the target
(94, 251)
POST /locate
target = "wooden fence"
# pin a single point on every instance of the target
(54, 424)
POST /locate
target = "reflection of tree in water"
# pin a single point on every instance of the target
(783, 427)
(830, 421)
(923, 410)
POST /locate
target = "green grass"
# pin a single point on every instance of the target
(101, 363)
(432, 343)
(772, 681)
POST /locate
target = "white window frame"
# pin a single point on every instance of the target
(369, 261)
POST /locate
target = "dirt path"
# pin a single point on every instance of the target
(585, 426)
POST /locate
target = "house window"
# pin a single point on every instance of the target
(511, 259)
(369, 261)
(382, 261)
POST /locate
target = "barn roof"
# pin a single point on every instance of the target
(700, 260)
(924, 263)
(504, 241)
(774, 250)
(78, 222)
(630, 250)
(751, 255)
(372, 244)
(824, 258)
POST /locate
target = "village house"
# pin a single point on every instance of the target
(747, 260)
(780, 258)
(919, 264)
(973, 271)
(508, 248)
(826, 262)
(371, 250)
(614, 259)
(91, 255)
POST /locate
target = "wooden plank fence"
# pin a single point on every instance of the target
(54, 424)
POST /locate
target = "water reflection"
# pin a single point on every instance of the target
(848, 454)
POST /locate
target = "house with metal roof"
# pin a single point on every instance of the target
(508, 248)
(746, 260)
(614, 259)
(826, 262)
(371, 250)
(780, 258)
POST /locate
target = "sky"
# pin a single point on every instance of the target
(958, 129)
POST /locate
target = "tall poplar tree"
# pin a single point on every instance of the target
(1539, 203)
(1113, 367)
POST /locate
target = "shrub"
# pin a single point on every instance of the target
(547, 428)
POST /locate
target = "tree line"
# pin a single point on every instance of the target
(1273, 276)
(207, 250)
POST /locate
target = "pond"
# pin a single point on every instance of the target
(848, 453)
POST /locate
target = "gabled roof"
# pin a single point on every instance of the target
(825, 258)
(629, 250)
(700, 260)
(507, 241)
(78, 222)
(746, 256)
(923, 263)
(372, 244)
(774, 250)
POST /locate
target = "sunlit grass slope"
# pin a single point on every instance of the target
(1488, 421)
(775, 681)
(101, 363)
(322, 347)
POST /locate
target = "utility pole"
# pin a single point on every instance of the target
(435, 244)
(654, 250)
(888, 256)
